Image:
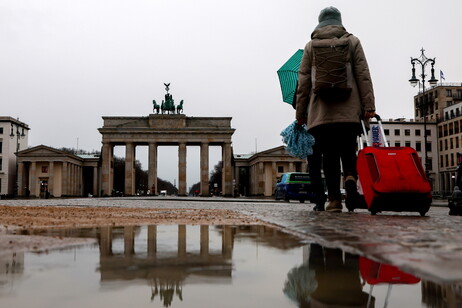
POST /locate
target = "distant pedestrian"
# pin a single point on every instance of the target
(334, 93)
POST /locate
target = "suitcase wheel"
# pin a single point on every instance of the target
(425, 210)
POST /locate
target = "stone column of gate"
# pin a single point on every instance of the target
(64, 179)
(76, 180)
(71, 179)
(51, 178)
(152, 168)
(227, 240)
(129, 169)
(105, 244)
(304, 166)
(205, 169)
(129, 241)
(274, 171)
(260, 178)
(204, 241)
(80, 180)
(106, 172)
(227, 170)
(182, 169)
(181, 241)
(33, 179)
(152, 241)
(20, 179)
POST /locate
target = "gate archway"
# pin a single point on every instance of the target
(160, 130)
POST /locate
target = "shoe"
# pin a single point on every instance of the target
(320, 200)
(334, 206)
(350, 186)
(351, 193)
(318, 208)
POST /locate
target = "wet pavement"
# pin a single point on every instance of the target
(207, 266)
(429, 247)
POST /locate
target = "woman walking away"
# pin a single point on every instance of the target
(334, 93)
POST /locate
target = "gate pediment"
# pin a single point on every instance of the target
(42, 150)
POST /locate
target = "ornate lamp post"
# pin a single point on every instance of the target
(423, 61)
(16, 134)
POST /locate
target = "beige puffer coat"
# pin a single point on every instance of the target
(362, 95)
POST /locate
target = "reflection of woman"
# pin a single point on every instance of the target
(336, 280)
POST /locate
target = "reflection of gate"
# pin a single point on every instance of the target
(192, 254)
(164, 130)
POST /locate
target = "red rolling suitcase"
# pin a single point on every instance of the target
(392, 178)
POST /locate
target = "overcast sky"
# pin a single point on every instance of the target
(65, 64)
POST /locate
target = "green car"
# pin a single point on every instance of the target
(294, 186)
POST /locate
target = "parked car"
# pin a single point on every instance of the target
(294, 186)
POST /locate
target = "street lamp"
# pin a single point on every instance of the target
(16, 134)
(423, 61)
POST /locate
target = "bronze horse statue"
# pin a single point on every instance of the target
(155, 107)
(179, 108)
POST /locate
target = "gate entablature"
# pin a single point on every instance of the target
(167, 129)
(161, 129)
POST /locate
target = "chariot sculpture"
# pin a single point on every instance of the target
(168, 104)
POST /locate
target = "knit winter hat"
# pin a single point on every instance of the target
(329, 16)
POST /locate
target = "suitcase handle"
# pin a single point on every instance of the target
(382, 131)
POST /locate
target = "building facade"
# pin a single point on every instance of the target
(256, 174)
(443, 104)
(14, 136)
(47, 172)
(249, 174)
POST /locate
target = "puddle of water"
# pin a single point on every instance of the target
(207, 266)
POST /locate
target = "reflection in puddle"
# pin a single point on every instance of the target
(333, 278)
(207, 266)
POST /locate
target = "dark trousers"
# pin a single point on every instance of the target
(334, 143)
(314, 168)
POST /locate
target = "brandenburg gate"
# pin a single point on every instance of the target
(165, 130)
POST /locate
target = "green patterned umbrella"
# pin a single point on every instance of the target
(288, 77)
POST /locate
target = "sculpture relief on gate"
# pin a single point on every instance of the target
(168, 104)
